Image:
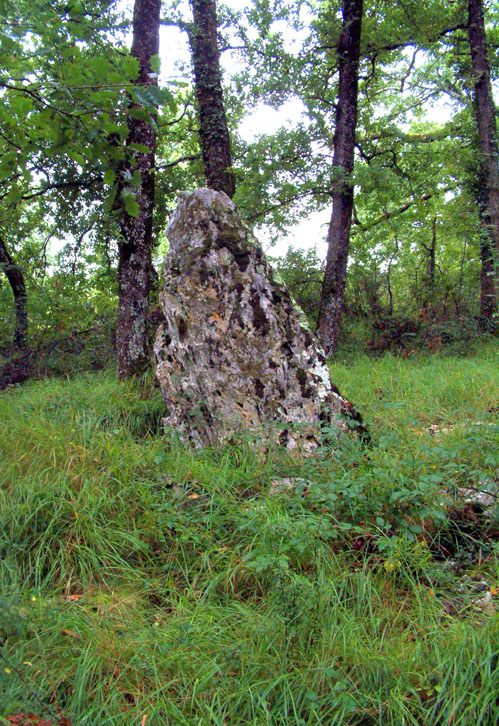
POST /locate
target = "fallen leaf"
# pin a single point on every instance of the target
(70, 633)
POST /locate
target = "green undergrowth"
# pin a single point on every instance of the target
(143, 579)
(397, 393)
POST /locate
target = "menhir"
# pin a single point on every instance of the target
(234, 353)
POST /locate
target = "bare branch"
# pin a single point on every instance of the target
(180, 160)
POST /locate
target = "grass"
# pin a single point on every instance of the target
(140, 578)
(424, 389)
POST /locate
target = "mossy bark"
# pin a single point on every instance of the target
(16, 281)
(213, 130)
(338, 238)
(485, 115)
(135, 265)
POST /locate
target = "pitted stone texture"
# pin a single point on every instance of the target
(233, 353)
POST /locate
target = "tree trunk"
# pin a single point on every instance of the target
(338, 238)
(432, 251)
(429, 276)
(489, 161)
(389, 276)
(213, 129)
(16, 281)
(459, 298)
(488, 292)
(135, 265)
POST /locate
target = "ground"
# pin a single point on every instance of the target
(146, 583)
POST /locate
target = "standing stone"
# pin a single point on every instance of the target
(234, 353)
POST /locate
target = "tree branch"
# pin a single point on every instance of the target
(399, 210)
(170, 164)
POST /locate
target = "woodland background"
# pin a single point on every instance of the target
(74, 103)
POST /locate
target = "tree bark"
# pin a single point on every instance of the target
(16, 281)
(338, 238)
(135, 255)
(489, 160)
(432, 253)
(213, 129)
(389, 275)
(488, 289)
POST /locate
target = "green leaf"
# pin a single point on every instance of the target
(76, 156)
(131, 206)
(141, 148)
(109, 201)
(21, 105)
(155, 63)
(15, 195)
(148, 95)
(109, 176)
(100, 67)
(168, 99)
(115, 152)
(131, 67)
(110, 126)
(75, 8)
(8, 163)
(140, 113)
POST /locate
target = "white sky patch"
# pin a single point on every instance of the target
(440, 111)
(174, 52)
(267, 120)
(293, 39)
(307, 234)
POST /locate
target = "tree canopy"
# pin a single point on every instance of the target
(71, 95)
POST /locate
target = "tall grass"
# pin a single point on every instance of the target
(141, 578)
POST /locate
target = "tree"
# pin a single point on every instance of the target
(213, 130)
(397, 171)
(338, 237)
(137, 192)
(485, 116)
(51, 152)
(70, 150)
(15, 277)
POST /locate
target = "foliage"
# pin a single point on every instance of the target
(65, 80)
(142, 578)
(410, 173)
(301, 271)
(63, 140)
(445, 321)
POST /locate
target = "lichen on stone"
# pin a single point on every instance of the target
(233, 354)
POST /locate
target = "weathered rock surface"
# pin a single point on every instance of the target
(233, 352)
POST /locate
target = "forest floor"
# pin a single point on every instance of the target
(146, 584)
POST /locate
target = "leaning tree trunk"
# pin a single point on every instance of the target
(489, 161)
(338, 238)
(16, 281)
(213, 129)
(135, 265)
